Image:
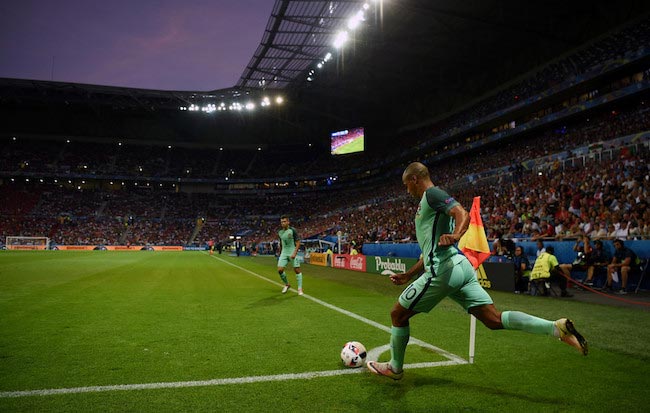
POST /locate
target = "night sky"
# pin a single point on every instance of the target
(196, 45)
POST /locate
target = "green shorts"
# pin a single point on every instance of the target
(455, 279)
(284, 260)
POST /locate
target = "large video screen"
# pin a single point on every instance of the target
(347, 141)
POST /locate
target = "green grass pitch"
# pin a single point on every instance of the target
(354, 146)
(71, 320)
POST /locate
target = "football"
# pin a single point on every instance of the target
(353, 354)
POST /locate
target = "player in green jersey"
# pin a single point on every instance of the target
(289, 245)
(440, 222)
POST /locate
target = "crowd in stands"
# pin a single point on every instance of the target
(614, 46)
(602, 199)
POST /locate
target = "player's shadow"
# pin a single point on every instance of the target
(271, 301)
(399, 389)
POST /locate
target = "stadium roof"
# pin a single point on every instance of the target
(410, 61)
(298, 33)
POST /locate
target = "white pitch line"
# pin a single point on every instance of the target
(205, 383)
(450, 356)
(373, 354)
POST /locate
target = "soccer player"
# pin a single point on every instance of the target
(289, 244)
(440, 222)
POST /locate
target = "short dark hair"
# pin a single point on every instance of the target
(285, 217)
(620, 241)
(550, 249)
(598, 242)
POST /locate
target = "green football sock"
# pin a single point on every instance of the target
(516, 320)
(299, 279)
(399, 338)
(284, 277)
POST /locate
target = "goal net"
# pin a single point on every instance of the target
(27, 243)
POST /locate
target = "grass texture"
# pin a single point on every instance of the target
(79, 319)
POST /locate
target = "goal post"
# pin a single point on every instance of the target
(27, 243)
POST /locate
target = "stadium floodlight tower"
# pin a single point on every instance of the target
(27, 243)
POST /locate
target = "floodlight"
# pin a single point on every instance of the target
(340, 39)
(250, 106)
(355, 20)
(279, 99)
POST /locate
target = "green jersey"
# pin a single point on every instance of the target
(432, 219)
(288, 238)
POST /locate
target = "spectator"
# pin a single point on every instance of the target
(522, 270)
(598, 232)
(624, 259)
(595, 259)
(547, 269)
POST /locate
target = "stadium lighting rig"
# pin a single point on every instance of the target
(234, 106)
(342, 36)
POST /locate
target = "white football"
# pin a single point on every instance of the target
(353, 354)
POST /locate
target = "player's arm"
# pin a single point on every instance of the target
(296, 242)
(416, 269)
(461, 217)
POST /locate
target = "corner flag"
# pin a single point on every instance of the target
(474, 243)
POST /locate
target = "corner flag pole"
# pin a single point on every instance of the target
(475, 246)
(472, 338)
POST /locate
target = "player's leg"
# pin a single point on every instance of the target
(479, 303)
(282, 263)
(517, 320)
(298, 271)
(421, 296)
(399, 338)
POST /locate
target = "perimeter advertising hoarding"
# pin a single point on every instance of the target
(388, 265)
(317, 258)
(350, 262)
